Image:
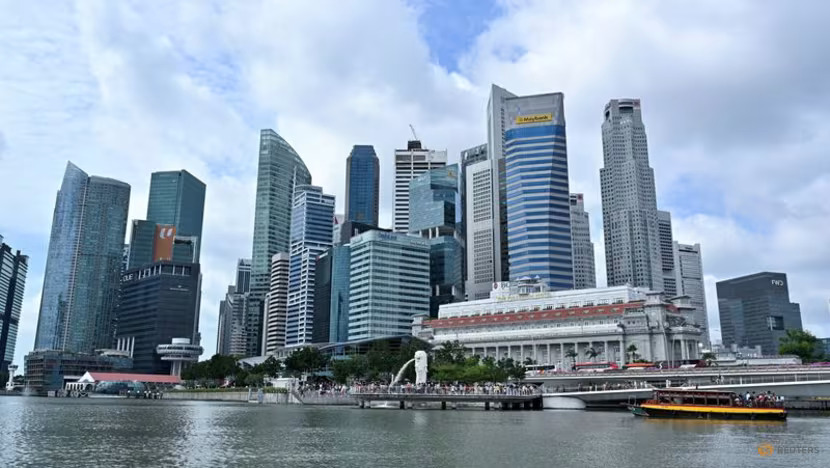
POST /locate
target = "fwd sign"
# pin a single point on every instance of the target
(778, 282)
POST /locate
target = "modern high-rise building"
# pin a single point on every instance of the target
(243, 275)
(664, 233)
(362, 185)
(477, 222)
(158, 302)
(13, 269)
(344, 232)
(480, 222)
(629, 201)
(389, 284)
(433, 215)
(689, 269)
(755, 310)
(276, 305)
(177, 198)
(340, 283)
(311, 235)
(410, 163)
(321, 329)
(585, 276)
(280, 170)
(533, 148)
(83, 264)
(224, 328)
(496, 120)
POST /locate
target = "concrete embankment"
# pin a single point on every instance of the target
(242, 396)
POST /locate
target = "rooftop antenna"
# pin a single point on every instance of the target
(414, 136)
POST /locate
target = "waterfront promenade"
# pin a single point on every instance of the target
(508, 396)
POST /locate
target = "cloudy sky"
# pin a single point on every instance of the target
(735, 95)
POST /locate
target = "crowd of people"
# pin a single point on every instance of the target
(596, 387)
(322, 389)
(450, 389)
(762, 400)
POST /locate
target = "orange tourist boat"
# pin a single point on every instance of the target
(705, 404)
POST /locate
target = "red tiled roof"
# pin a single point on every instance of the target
(147, 378)
(534, 316)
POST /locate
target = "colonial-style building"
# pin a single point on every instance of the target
(525, 319)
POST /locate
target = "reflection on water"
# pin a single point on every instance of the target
(107, 432)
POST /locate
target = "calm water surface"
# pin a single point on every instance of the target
(94, 432)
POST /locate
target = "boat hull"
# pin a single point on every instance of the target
(719, 413)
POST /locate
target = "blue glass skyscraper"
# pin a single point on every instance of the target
(13, 269)
(178, 198)
(83, 264)
(311, 235)
(536, 189)
(433, 214)
(362, 185)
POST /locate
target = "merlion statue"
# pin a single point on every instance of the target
(420, 367)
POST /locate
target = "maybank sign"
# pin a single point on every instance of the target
(534, 118)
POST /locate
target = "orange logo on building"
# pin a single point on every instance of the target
(766, 450)
(163, 242)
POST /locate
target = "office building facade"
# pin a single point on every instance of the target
(321, 328)
(434, 216)
(13, 269)
(362, 185)
(664, 233)
(468, 157)
(280, 170)
(585, 276)
(537, 196)
(755, 310)
(389, 284)
(276, 305)
(158, 302)
(83, 264)
(238, 324)
(311, 235)
(480, 229)
(629, 200)
(410, 163)
(340, 282)
(688, 265)
(177, 198)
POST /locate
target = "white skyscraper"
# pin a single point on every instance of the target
(689, 273)
(410, 163)
(479, 222)
(276, 305)
(629, 203)
(664, 233)
(585, 276)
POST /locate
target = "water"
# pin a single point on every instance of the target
(46, 432)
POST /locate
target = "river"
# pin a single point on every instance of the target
(47, 432)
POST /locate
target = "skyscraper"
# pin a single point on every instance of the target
(362, 185)
(471, 225)
(434, 199)
(243, 275)
(340, 283)
(177, 198)
(629, 202)
(689, 269)
(83, 264)
(321, 329)
(280, 170)
(389, 284)
(13, 269)
(585, 276)
(664, 232)
(755, 310)
(410, 163)
(235, 335)
(276, 305)
(496, 120)
(311, 235)
(158, 302)
(534, 150)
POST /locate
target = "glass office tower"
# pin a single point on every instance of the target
(362, 185)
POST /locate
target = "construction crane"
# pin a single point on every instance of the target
(414, 136)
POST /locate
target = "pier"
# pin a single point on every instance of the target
(506, 399)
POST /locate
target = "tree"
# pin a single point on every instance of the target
(632, 351)
(451, 352)
(529, 361)
(591, 353)
(709, 357)
(572, 354)
(803, 344)
(305, 360)
(271, 367)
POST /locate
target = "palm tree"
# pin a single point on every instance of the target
(591, 353)
(571, 354)
(710, 358)
(632, 350)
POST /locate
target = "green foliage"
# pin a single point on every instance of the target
(591, 353)
(216, 368)
(307, 360)
(451, 352)
(271, 367)
(709, 357)
(803, 344)
(632, 351)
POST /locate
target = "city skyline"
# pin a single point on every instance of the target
(716, 166)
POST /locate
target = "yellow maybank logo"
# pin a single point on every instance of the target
(526, 119)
